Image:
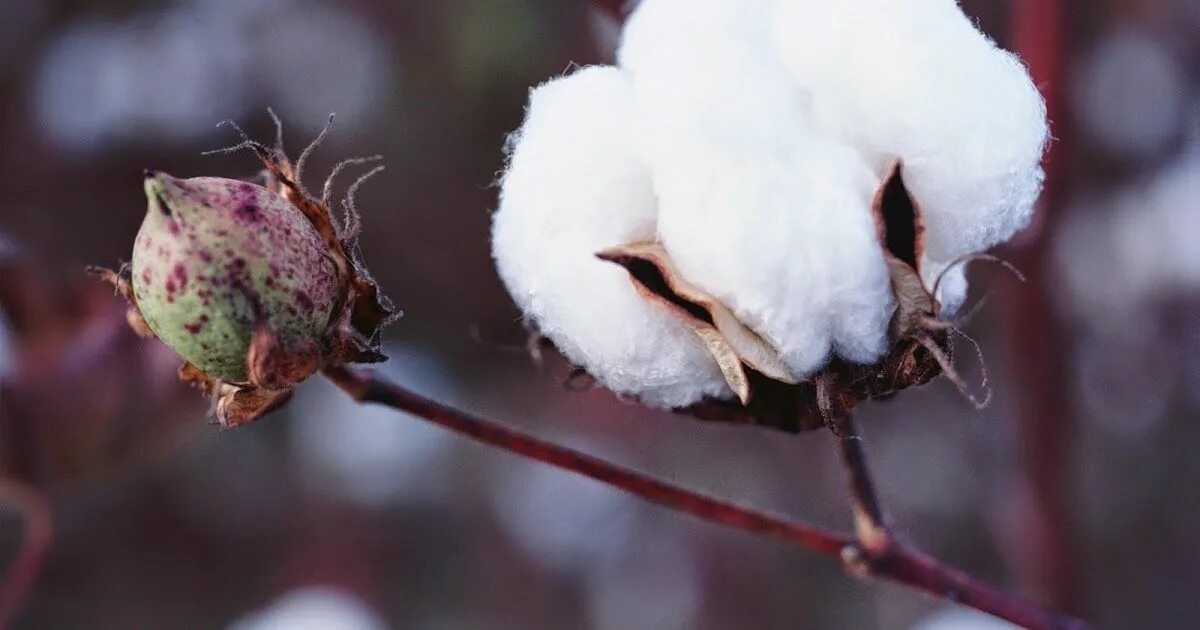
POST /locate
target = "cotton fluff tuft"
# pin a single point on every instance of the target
(788, 244)
(754, 208)
(574, 187)
(704, 70)
(915, 79)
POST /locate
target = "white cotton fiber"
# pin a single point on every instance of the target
(753, 208)
(787, 243)
(749, 137)
(914, 79)
(704, 70)
(574, 187)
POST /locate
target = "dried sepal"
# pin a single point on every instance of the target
(237, 406)
(733, 345)
(275, 366)
(356, 338)
(121, 285)
(194, 376)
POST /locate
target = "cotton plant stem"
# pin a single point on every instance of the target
(35, 540)
(366, 386)
(870, 522)
(874, 552)
(880, 554)
(1046, 422)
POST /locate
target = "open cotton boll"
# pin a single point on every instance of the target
(787, 243)
(914, 79)
(574, 187)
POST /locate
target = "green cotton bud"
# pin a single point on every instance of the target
(256, 287)
(217, 258)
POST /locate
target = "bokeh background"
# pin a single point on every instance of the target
(1078, 487)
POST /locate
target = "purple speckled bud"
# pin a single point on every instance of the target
(217, 257)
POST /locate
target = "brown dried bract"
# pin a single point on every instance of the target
(735, 347)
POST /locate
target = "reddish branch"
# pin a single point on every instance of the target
(874, 552)
(35, 540)
(1045, 423)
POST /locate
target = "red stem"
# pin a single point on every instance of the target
(1046, 423)
(35, 540)
(880, 557)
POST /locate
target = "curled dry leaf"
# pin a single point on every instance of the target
(272, 364)
(768, 394)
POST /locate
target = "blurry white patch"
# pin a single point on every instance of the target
(1126, 380)
(1123, 252)
(350, 62)
(655, 585)
(961, 618)
(938, 477)
(171, 74)
(563, 522)
(313, 608)
(7, 357)
(1129, 93)
(371, 454)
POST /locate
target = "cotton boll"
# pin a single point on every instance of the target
(914, 79)
(574, 187)
(788, 244)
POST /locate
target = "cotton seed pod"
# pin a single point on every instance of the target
(215, 258)
(256, 287)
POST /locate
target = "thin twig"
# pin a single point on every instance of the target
(366, 386)
(882, 557)
(870, 522)
(879, 553)
(35, 540)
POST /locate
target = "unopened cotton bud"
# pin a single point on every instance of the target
(217, 257)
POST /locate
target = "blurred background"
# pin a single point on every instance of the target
(1078, 487)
